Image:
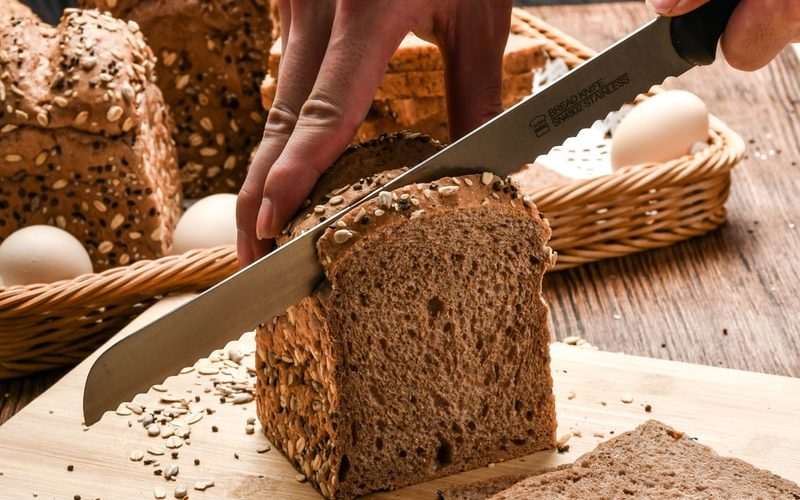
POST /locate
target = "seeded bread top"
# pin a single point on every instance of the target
(359, 170)
(13, 9)
(463, 193)
(75, 75)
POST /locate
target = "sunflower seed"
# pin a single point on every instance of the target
(263, 448)
(159, 493)
(159, 388)
(155, 451)
(114, 113)
(171, 471)
(627, 398)
(448, 190)
(180, 490)
(203, 485)
(342, 235)
(153, 430)
(174, 442)
(242, 397)
(136, 455)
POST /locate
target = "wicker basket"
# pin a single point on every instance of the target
(57, 324)
(636, 208)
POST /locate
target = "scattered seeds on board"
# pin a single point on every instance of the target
(249, 429)
(300, 478)
(153, 430)
(571, 395)
(203, 485)
(208, 370)
(242, 398)
(159, 493)
(627, 398)
(263, 448)
(159, 388)
(123, 412)
(136, 455)
(561, 444)
(571, 340)
(648, 408)
(155, 451)
(180, 490)
(171, 471)
(174, 442)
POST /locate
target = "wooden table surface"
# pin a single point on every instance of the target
(730, 298)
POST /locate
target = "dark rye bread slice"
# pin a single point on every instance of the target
(657, 462)
(425, 352)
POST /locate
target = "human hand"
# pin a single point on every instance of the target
(335, 55)
(757, 31)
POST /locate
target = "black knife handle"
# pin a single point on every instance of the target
(695, 35)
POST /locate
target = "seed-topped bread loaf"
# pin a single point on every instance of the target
(211, 61)
(425, 352)
(13, 9)
(84, 137)
(653, 461)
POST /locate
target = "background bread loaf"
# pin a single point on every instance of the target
(411, 94)
(84, 137)
(211, 61)
(425, 352)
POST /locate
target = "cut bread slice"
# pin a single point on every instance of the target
(425, 352)
(657, 462)
(409, 111)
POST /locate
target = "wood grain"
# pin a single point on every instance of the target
(678, 303)
(742, 414)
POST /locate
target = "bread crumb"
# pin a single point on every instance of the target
(571, 395)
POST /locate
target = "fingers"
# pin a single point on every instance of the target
(304, 44)
(351, 71)
(675, 7)
(758, 30)
(473, 43)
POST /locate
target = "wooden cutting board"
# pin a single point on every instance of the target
(748, 415)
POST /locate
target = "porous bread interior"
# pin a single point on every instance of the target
(425, 354)
(654, 461)
(443, 332)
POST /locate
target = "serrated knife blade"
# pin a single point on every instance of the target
(659, 49)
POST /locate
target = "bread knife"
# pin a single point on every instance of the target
(659, 49)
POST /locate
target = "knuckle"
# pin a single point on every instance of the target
(281, 119)
(321, 111)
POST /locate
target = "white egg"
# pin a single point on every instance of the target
(42, 254)
(661, 128)
(210, 222)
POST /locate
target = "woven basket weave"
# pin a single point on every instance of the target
(58, 324)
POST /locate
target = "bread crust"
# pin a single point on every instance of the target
(211, 62)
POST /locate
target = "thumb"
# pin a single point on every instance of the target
(675, 7)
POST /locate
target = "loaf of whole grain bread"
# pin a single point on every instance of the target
(211, 61)
(653, 461)
(84, 137)
(425, 352)
(14, 9)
